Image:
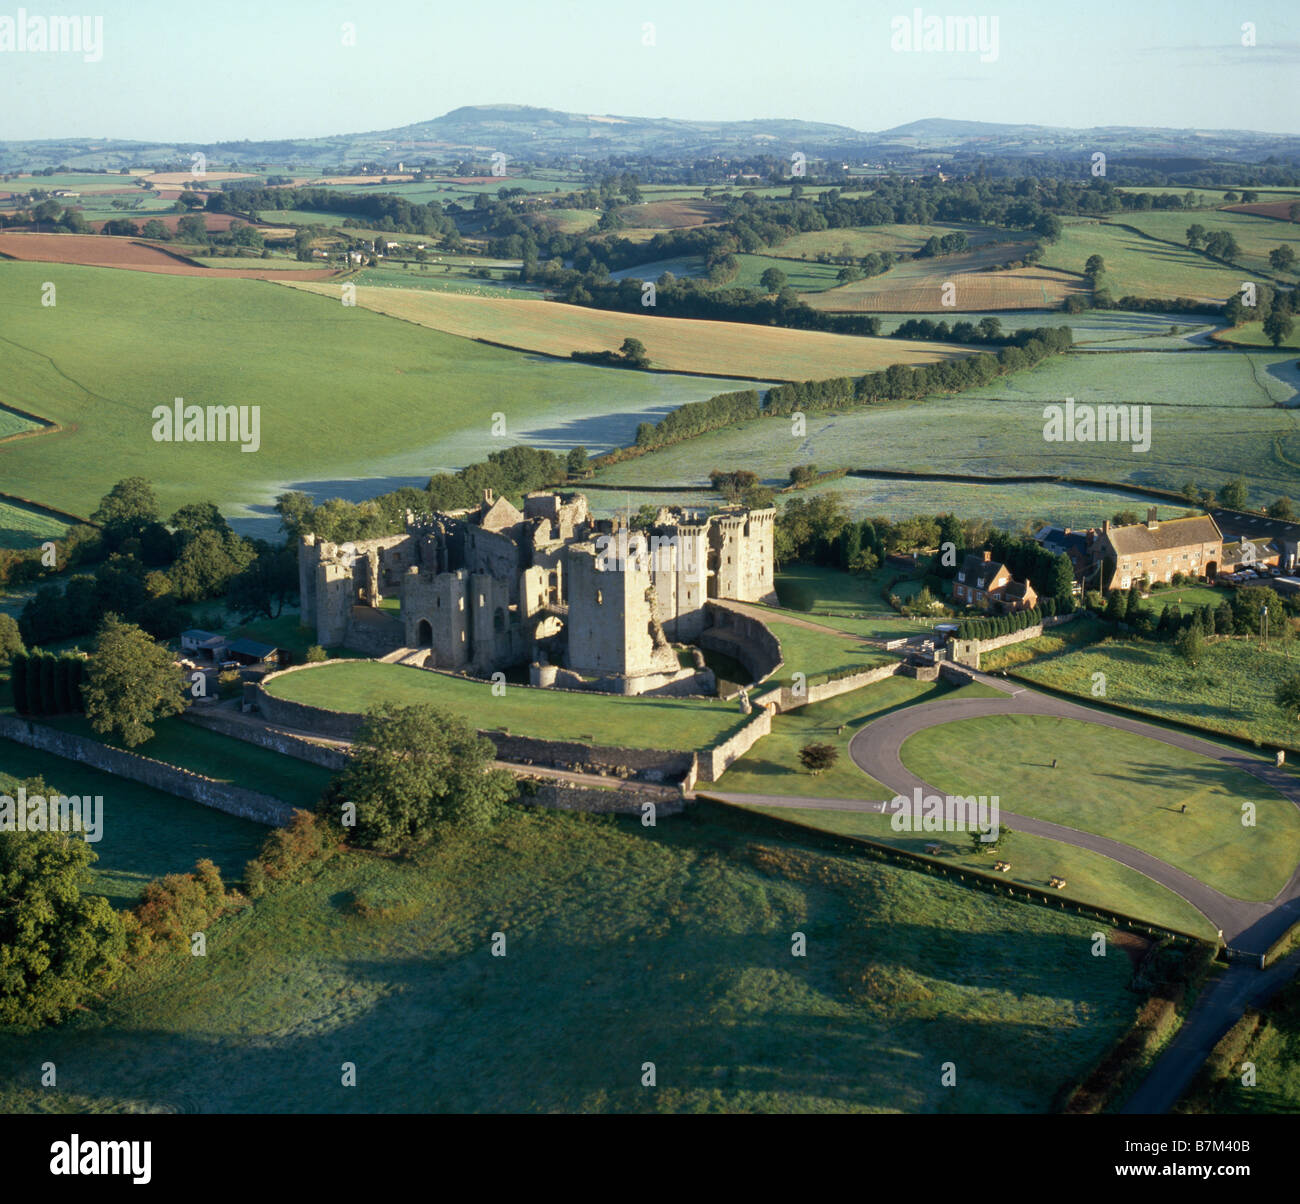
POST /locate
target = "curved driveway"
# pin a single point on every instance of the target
(1251, 927)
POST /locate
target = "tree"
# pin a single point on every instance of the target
(11, 643)
(191, 200)
(981, 847)
(1195, 235)
(817, 757)
(1281, 508)
(58, 944)
(192, 227)
(156, 230)
(1233, 495)
(1287, 695)
(1278, 327)
(415, 770)
(633, 350)
(1191, 645)
(1281, 258)
(267, 584)
(125, 511)
(576, 461)
(773, 280)
(130, 682)
(207, 564)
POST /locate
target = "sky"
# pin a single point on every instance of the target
(305, 68)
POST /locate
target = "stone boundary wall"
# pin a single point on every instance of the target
(281, 742)
(967, 652)
(622, 801)
(784, 698)
(184, 783)
(712, 762)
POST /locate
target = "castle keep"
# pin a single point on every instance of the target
(586, 603)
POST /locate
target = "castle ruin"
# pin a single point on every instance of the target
(586, 603)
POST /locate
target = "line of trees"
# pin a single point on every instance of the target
(997, 625)
(47, 683)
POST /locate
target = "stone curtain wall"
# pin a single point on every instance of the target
(233, 800)
(785, 699)
(967, 652)
(744, 638)
(624, 801)
(713, 762)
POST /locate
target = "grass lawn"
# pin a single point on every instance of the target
(1123, 786)
(1255, 235)
(1091, 879)
(611, 929)
(146, 833)
(606, 719)
(1230, 691)
(772, 766)
(221, 757)
(818, 655)
(845, 601)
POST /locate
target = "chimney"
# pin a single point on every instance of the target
(987, 554)
(487, 497)
(1152, 524)
(1105, 526)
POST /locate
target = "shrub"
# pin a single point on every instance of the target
(306, 838)
(316, 654)
(177, 905)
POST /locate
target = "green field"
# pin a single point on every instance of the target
(818, 655)
(802, 277)
(611, 929)
(23, 527)
(146, 833)
(1230, 691)
(1103, 329)
(396, 400)
(1215, 416)
(1090, 878)
(1251, 334)
(1122, 786)
(1141, 267)
(857, 241)
(1256, 236)
(1009, 506)
(675, 723)
(15, 424)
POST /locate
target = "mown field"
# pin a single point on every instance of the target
(146, 833)
(637, 722)
(918, 287)
(1230, 691)
(673, 344)
(23, 527)
(1122, 786)
(1139, 266)
(1094, 328)
(610, 928)
(857, 241)
(817, 654)
(349, 399)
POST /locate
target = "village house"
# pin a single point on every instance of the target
(987, 583)
(1157, 550)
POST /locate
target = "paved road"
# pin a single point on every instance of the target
(1217, 1008)
(1248, 926)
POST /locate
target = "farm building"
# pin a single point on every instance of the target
(1158, 550)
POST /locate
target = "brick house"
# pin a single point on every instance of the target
(985, 583)
(1191, 546)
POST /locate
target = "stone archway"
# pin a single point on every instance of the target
(424, 634)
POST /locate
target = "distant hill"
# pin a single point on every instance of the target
(524, 131)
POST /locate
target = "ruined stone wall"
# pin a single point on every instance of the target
(184, 783)
(713, 762)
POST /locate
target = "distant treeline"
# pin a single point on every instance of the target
(381, 211)
(897, 382)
